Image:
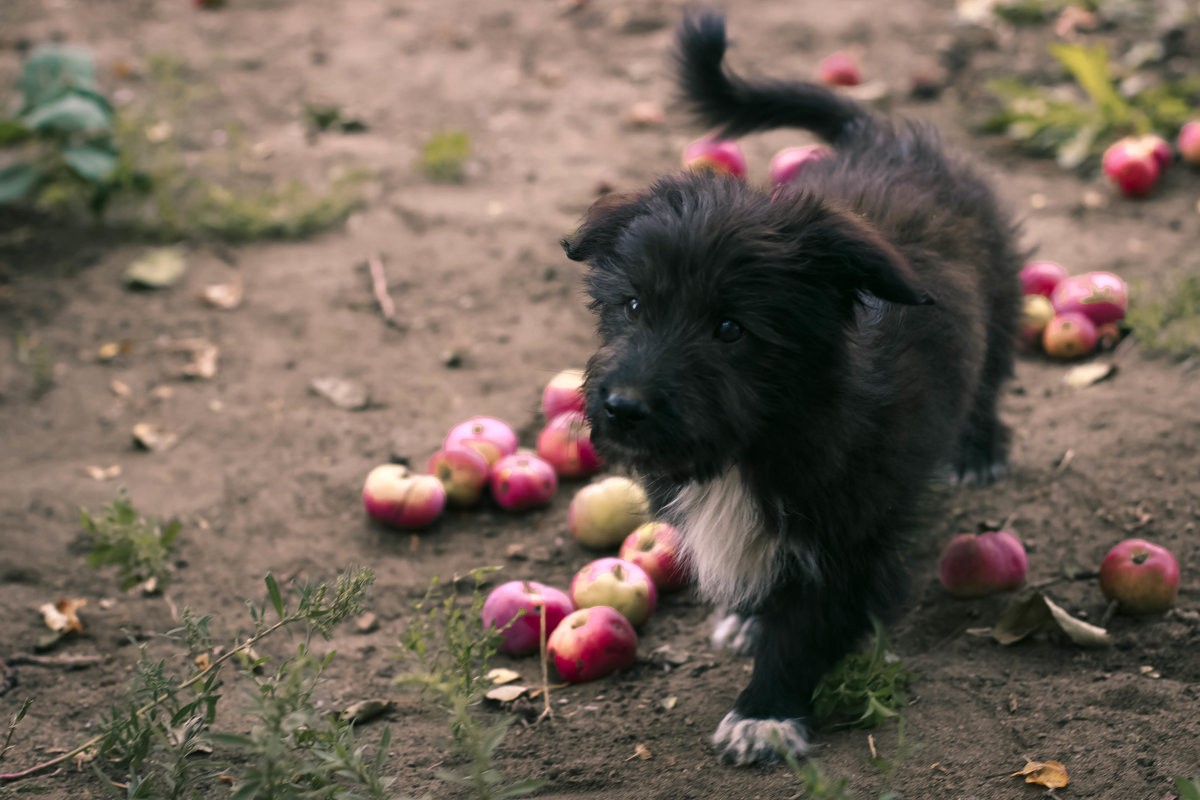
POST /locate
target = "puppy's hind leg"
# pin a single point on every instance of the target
(982, 455)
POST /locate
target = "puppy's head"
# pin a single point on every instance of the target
(721, 312)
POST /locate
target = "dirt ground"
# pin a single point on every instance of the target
(266, 475)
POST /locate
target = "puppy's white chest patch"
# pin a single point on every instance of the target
(734, 558)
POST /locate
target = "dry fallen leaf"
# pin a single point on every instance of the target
(1037, 612)
(367, 622)
(203, 354)
(110, 350)
(669, 702)
(224, 295)
(348, 395)
(152, 437)
(120, 388)
(640, 751)
(506, 693)
(156, 269)
(365, 710)
(103, 473)
(61, 617)
(1051, 774)
(1088, 374)
(203, 662)
(499, 676)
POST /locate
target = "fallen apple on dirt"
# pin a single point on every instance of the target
(505, 603)
(395, 496)
(1040, 277)
(839, 69)
(617, 583)
(1036, 313)
(522, 480)
(591, 643)
(463, 473)
(1100, 296)
(973, 565)
(1189, 142)
(1140, 576)
(718, 155)
(602, 514)
(1133, 164)
(654, 547)
(490, 437)
(790, 162)
(564, 392)
(566, 442)
(1070, 335)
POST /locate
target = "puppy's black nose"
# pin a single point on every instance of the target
(625, 406)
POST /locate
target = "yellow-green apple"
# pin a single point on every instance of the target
(395, 496)
(617, 583)
(602, 514)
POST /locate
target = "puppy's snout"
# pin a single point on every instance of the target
(625, 406)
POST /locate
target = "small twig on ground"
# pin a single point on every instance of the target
(1108, 613)
(547, 712)
(171, 605)
(871, 744)
(379, 286)
(68, 662)
(1065, 460)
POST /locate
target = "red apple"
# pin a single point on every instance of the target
(566, 442)
(463, 472)
(1141, 576)
(591, 643)
(718, 155)
(524, 635)
(1036, 313)
(1189, 142)
(522, 480)
(790, 162)
(974, 565)
(1100, 296)
(1133, 165)
(490, 437)
(395, 496)
(1069, 335)
(655, 548)
(602, 514)
(616, 583)
(1040, 277)
(839, 69)
(564, 392)
(1160, 150)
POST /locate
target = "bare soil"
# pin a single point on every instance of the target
(266, 475)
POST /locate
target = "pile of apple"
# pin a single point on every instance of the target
(482, 453)
(1070, 317)
(1140, 577)
(1134, 164)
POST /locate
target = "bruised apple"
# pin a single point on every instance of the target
(788, 163)
(602, 514)
(505, 603)
(616, 583)
(591, 643)
(973, 565)
(1070, 335)
(1040, 277)
(718, 155)
(395, 496)
(463, 473)
(564, 392)
(566, 442)
(655, 548)
(490, 437)
(1100, 296)
(522, 480)
(1142, 577)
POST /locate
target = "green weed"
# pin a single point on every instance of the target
(445, 155)
(865, 690)
(141, 550)
(1168, 322)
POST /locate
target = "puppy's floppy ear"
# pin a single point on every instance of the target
(602, 226)
(853, 255)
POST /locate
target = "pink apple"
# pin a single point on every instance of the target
(839, 69)
(1189, 142)
(1100, 296)
(564, 392)
(566, 442)
(395, 496)
(1141, 576)
(463, 472)
(522, 480)
(788, 163)
(718, 155)
(1160, 150)
(591, 643)
(1040, 277)
(490, 437)
(602, 514)
(1036, 313)
(617, 583)
(974, 565)
(1133, 165)
(655, 548)
(1069, 335)
(508, 600)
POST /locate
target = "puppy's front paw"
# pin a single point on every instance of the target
(735, 632)
(742, 740)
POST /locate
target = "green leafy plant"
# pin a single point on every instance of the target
(1167, 323)
(140, 549)
(447, 638)
(1188, 789)
(817, 785)
(444, 156)
(864, 690)
(12, 727)
(64, 128)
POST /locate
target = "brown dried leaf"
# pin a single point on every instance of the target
(640, 751)
(61, 617)
(1037, 612)
(367, 622)
(226, 296)
(110, 350)
(500, 676)
(348, 395)
(120, 388)
(154, 438)
(1051, 774)
(204, 357)
(103, 473)
(1089, 374)
(506, 693)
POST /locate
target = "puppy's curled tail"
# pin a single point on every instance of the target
(736, 107)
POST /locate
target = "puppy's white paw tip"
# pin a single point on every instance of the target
(743, 740)
(735, 632)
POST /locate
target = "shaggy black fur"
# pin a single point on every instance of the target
(793, 368)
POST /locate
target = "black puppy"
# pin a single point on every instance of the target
(786, 372)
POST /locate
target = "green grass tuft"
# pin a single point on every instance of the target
(445, 155)
(865, 690)
(1168, 322)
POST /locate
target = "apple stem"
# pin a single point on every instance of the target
(1108, 613)
(547, 712)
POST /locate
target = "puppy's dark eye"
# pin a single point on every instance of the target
(633, 309)
(728, 331)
